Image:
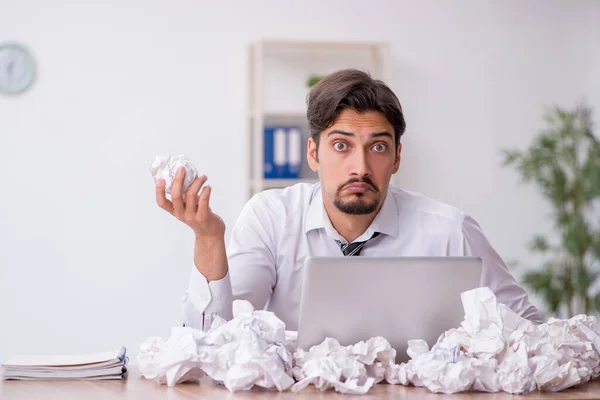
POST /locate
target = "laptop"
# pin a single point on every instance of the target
(399, 298)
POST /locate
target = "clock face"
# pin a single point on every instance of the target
(17, 69)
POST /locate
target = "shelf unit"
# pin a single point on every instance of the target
(277, 75)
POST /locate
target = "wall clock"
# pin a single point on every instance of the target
(17, 69)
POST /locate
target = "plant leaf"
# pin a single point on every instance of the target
(544, 283)
(539, 244)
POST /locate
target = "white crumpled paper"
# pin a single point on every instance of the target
(249, 350)
(165, 167)
(492, 350)
(173, 361)
(347, 369)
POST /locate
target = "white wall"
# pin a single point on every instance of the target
(594, 91)
(88, 261)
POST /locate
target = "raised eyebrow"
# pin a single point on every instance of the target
(382, 134)
(338, 131)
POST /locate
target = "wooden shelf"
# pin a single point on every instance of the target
(269, 44)
(280, 115)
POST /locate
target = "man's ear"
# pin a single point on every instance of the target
(397, 162)
(311, 155)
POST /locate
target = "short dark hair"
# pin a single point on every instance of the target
(356, 90)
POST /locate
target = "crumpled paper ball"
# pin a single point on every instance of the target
(172, 361)
(165, 167)
(249, 350)
(495, 350)
(348, 369)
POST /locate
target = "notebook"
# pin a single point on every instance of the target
(95, 366)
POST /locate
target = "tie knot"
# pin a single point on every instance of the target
(354, 248)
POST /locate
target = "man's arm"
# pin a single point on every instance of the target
(250, 274)
(495, 273)
(210, 256)
(208, 296)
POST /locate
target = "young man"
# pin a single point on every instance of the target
(356, 123)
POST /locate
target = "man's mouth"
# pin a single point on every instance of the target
(359, 187)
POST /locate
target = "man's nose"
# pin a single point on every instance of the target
(359, 164)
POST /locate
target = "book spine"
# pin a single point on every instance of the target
(294, 152)
(268, 167)
(280, 153)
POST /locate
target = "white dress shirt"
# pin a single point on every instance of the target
(279, 228)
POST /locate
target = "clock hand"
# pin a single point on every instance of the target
(9, 69)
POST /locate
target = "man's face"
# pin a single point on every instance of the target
(356, 159)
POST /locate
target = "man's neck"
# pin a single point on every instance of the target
(348, 226)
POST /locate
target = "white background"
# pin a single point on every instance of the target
(87, 260)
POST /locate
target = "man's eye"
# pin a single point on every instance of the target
(380, 147)
(340, 146)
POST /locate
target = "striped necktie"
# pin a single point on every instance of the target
(354, 248)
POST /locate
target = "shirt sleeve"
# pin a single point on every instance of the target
(495, 273)
(205, 300)
(252, 272)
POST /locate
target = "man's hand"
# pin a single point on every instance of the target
(193, 210)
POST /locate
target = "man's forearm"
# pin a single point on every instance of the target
(210, 258)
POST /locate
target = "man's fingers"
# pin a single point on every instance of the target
(176, 193)
(203, 200)
(161, 198)
(191, 197)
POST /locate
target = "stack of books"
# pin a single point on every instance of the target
(108, 365)
(282, 152)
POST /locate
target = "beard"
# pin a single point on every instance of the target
(360, 204)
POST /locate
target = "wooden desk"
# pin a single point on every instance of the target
(136, 387)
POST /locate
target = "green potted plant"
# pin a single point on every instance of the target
(313, 79)
(564, 163)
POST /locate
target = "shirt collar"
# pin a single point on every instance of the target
(386, 221)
